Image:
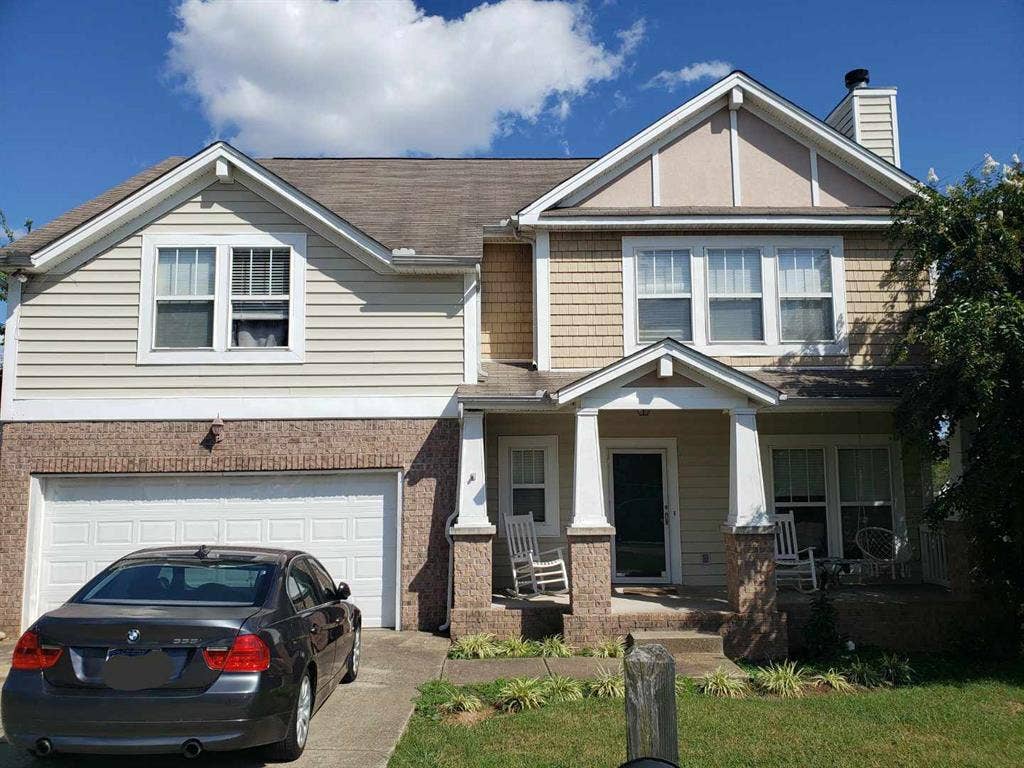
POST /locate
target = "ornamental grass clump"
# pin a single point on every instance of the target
(833, 680)
(561, 688)
(518, 648)
(607, 685)
(522, 693)
(555, 647)
(785, 680)
(720, 685)
(895, 670)
(863, 673)
(460, 701)
(612, 648)
(478, 646)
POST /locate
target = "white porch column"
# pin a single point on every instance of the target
(472, 491)
(747, 506)
(587, 485)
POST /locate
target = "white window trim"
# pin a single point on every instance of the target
(547, 443)
(768, 244)
(831, 444)
(222, 351)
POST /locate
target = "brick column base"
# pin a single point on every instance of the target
(758, 630)
(590, 570)
(472, 556)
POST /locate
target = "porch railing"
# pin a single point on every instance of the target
(934, 563)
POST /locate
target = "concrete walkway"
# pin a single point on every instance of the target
(358, 726)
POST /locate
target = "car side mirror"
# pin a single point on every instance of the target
(343, 591)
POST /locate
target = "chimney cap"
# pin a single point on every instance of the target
(857, 78)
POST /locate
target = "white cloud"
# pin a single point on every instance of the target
(699, 70)
(384, 78)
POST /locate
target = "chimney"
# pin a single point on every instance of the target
(868, 116)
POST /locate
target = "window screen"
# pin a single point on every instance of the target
(734, 294)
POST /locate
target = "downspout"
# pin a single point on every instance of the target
(448, 523)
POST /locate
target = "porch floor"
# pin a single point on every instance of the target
(626, 601)
(871, 594)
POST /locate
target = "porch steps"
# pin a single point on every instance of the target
(696, 653)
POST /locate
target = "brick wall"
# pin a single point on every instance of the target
(506, 306)
(426, 449)
(586, 301)
(590, 569)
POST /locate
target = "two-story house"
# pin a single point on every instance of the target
(651, 353)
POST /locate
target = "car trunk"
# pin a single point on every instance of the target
(93, 634)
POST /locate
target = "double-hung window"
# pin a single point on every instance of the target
(185, 297)
(865, 493)
(805, 294)
(222, 298)
(798, 478)
(528, 480)
(735, 295)
(735, 308)
(664, 295)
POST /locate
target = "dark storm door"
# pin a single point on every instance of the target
(640, 509)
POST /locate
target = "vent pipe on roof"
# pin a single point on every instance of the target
(857, 78)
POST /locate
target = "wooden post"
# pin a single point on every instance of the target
(651, 729)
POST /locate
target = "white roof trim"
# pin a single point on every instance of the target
(224, 160)
(723, 221)
(689, 358)
(760, 96)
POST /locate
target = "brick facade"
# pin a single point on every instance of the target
(590, 574)
(757, 630)
(425, 449)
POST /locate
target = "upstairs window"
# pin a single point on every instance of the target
(734, 294)
(805, 294)
(185, 296)
(664, 295)
(259, 297)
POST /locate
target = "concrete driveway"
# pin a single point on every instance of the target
(358, 726)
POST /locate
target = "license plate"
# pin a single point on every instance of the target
(135, 669)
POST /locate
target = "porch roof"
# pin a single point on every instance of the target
(517, 381)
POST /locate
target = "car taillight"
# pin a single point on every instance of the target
(30, 654)
(247, 654)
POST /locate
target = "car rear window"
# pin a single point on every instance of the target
(169, 583)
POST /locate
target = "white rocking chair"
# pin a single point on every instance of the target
(532, 568)
(790, 568)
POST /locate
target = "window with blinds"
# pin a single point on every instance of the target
(865, 493)
(798, 478)
(528, 488)
(805, 294)
(185, 290)
(735, 311)
(260, 295)
(664, 295)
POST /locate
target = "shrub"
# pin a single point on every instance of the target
(685, 685)
(561, 688)
(555, 647)
(460, 701)
(518, 648)
(478, 646)
(607, 685)
(720, 684)
(785, 680)
(895, 670)
(610, 649)
(863, 673)
(522, 693)
(821, 634)
(833, 679)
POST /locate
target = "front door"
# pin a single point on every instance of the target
(640, 512)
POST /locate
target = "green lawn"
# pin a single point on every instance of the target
(972, 720)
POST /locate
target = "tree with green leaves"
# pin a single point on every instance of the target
(969, 340)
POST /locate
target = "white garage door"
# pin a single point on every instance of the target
(347, 520)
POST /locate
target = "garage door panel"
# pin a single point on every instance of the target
(348, 521)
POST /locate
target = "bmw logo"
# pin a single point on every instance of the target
(134, 635)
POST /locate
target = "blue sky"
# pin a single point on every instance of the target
(90, 97)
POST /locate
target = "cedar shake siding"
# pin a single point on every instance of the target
(506, 302)
(586, 301)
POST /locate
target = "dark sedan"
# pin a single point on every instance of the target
(185, 650)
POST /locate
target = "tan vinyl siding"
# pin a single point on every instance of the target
(506, 307)
(586, 296)
(842, 118)
(586, 299)
(365, 332)
(874, 115)
(702, 443)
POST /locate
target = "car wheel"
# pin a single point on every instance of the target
(291, 748)
(353, 657)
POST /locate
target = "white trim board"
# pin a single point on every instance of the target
(11, 332)
(714, 221)
(262, 408)
(542, 301)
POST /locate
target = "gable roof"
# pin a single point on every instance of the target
(436, 207)
(831, 142)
